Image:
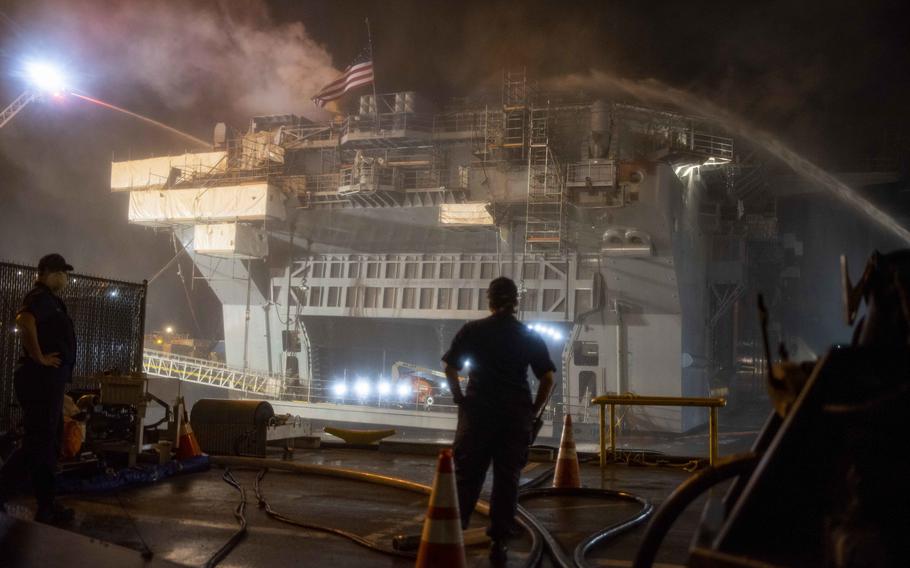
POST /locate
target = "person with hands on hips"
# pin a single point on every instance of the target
(43, 370)
(496, 412)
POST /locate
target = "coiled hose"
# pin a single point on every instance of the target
(531, 490)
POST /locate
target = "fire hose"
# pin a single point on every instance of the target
(539, 535)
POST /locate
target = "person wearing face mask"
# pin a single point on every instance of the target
(43, 370)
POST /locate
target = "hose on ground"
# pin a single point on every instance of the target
(264, 505)
(601, 536)
(537, 533)
(682, 497)
(240, 515)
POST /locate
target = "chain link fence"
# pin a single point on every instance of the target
(109, 317)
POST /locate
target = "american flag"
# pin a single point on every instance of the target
(358, 73)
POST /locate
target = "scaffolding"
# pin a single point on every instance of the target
(545, 230)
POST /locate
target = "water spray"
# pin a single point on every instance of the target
(656, 92)
(45, 79)
(153, 122)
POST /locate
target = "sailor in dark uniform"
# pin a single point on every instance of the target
(42, 372)
(496, 413)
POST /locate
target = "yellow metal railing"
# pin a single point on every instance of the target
(634, 400)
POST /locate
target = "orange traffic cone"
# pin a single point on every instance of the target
(187, 446)
(441, 544)
(567, 474)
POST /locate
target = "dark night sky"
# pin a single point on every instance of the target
(829, 77)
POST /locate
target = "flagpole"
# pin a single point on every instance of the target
(373, 63)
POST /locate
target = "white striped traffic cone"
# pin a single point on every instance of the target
(567, 474)
(442, 544)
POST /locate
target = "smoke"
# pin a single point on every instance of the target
(192, 53)
(187, 64)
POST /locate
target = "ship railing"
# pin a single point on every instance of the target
(384, 122)
(458, 121)
(629, 399)
(211, 373)
(711, 145)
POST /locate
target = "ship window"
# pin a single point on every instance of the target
(586, 353)
(409, 298)
(389, 296)
(426, 298)
(428, 270)
(371, 297)
(333, 297)
(372, 270)
(444, 299)
(467, 270)
(391, 270)
(464, 298)
(410, 270)
(445, 270)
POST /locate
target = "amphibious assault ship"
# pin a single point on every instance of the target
(337, 248)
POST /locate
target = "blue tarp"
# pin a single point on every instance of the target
(139, 475)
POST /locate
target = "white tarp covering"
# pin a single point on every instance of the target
(153, 172)
(248, 202)
(233, 240)
(465, 214)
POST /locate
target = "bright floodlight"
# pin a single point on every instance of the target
(362, 388)
(384, 388)
(45, 77)
(404, 389)
(340, 389)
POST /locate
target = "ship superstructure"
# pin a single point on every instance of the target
(627, 229)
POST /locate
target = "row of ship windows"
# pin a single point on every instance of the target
(430, 298)
(443, 270)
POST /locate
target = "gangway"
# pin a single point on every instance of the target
(211, 373)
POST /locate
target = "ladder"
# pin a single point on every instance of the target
(545, 224)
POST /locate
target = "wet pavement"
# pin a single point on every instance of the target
(187, 518)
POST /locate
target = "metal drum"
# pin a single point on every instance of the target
(232, 427)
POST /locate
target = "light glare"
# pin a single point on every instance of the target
(362, 388)
(45, 77)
